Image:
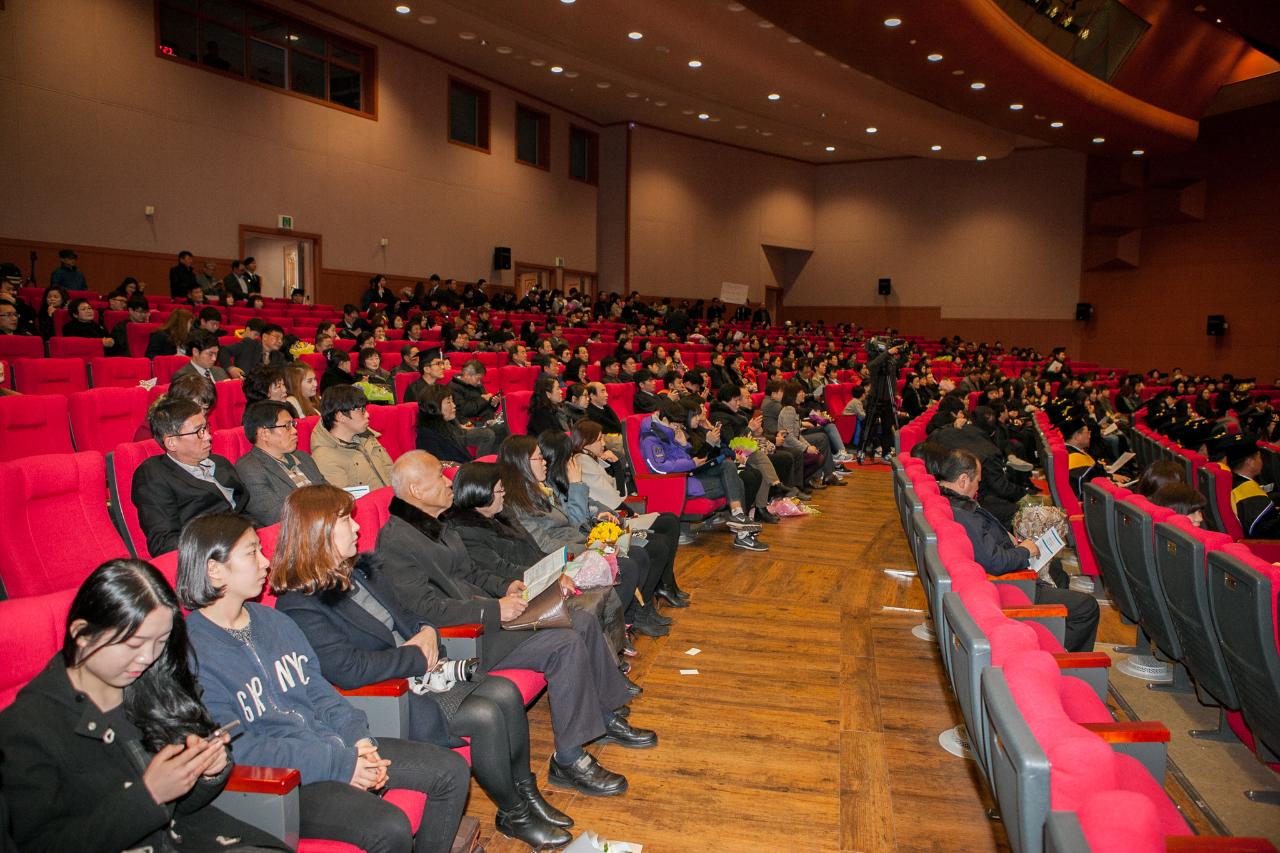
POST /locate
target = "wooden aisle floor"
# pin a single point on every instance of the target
(812, 723)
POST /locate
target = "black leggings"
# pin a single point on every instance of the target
(634, 573)
(663, 540)
(338, 811)
(493, 716)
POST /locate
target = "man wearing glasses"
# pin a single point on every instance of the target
(187, 481)
(346, 450)
(275, 466)
(431, 370)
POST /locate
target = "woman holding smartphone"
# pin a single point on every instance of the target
(256, 665)
(109, 747)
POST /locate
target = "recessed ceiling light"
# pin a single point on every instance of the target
(893, 22)
(537, 63)
(807, 142)
(764, 25)
(959, 72)
(687, 112)
(766, 133)
(633, 94)
(1055, 124)
(403, 10)
(635, 35)
(659, 103)
(603, 84)
(556, 69)
(831, 148)
(819, 53)
(1098, 140)
(976, 84)
(466, 36)
(704, 116)
(774, 96)
(792, 40)
(736, 7)
(1015, 107)
(426, 19)
(293, 37)
(695, 63)
(934, 57)
(935, 147)
(872, 129)
(504, 50)
(571, 74)
(981, 158)
(1138, 152)
(739, 127)
(568, 2)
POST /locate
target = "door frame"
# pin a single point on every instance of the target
(316, 242)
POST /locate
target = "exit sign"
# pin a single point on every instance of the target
(285, 222)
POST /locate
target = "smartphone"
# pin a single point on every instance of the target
(222, 730)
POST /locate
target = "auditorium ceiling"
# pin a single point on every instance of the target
(841, 80)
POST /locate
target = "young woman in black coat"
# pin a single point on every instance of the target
(546, 407)
(106, 749)
(438, 430)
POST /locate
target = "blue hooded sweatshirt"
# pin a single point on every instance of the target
(290, 716)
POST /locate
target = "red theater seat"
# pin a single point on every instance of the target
(119, 372)
(50, 375)
(30, 426)
(82, 348)
(121, 463)
(101, 418)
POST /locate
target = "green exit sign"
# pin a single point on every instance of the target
(286, 222)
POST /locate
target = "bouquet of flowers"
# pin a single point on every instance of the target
(742, 447)
(598, 564)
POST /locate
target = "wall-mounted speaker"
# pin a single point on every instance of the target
(1217, 325)
(1084, 311)
(502, 257)
(885, 287)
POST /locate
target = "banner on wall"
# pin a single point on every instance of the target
(733, 293)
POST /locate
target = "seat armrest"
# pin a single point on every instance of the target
(390, 687)
(1264, 549)
(1216, 844)
(1036, 611)
(1089, 667)
(1024, 575)
(461, 641)
(1145, 740)
(264, 797)
(252, 779)
(469, 630)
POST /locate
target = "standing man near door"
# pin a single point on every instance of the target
(182, 276)
(252, 281)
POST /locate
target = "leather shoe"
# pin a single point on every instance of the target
(680, 593)
(621, 732)
(524, 825)
(763, 514)
(649, 615)
(670, 597)
(587, 776)
(650, 630)
(833, 481)
(805, 496)
(528, 790)
(624, 711)
(633, 688)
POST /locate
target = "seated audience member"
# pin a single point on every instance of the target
(575, 402)
(203, 348)
(781, 470)
(171, 337)
(193, 387)
(431, 368)
(646, 400)
(1000, 491)
(349, 613)
(1257, 511)
(1160, 473)
(84, 324)
(440, 434)
(265, 349)
(55, 299)
(352, 324)
(345, 449)
(568, 491)
(493, 541)
(410, 356)
(275, 466)
(152, 776)
(995, 550)
(665, 448)
(16, 317)
(255, 665)
(1182, 499)
(812, 443)
(265, 382)
(186, 480)
(337, 370)
(475, 405)
(436, 580)
(546, 407)
(375, 382)
(300, 380)
(1081, 467)
(598, 410)
(209, 319)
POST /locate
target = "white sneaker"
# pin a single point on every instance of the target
(748, 542)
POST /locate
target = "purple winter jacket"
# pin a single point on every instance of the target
(664, 455)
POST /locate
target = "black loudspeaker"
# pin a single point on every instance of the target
(1084, 311)
(886, 286)
(502, 257)
(1217, 325)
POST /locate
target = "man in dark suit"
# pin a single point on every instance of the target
(182, 276)
(275, 466)
(252, 281)
(647, 399)
(187, 481)
(203, 347)
(265, 349)
(235, 284)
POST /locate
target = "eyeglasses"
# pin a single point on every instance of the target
(291, 424)
(203, 432)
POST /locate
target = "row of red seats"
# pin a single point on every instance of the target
(1066, 775)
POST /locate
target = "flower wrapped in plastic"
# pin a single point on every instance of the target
(742, 447)
(603, 535)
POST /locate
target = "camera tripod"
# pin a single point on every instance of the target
(882, 411)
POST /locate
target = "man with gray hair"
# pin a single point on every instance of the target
(476, 406)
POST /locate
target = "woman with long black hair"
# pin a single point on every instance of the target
(109, 748)
(256, 666)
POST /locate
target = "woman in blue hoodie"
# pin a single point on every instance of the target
(256, 666)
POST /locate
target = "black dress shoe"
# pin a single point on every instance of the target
(651, 630)
(587, 776)
(624, 711)
(528, 790)
(524, 825)
(621, 732)
(763, 514)
(633, 688)
(671, 598)
(649, 615)
(833, 480)
(680, 593)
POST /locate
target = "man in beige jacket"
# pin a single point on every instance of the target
(347, 452)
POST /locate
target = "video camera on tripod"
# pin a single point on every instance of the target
(875, 346)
